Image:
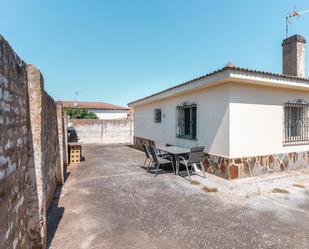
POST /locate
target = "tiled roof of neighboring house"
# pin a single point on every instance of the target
(92, 105)
(229, 66)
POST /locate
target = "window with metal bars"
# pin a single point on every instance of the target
(296, 122)
(157, 115)
(186, 121)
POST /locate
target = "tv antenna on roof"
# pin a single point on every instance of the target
(289, 17)
(75, 102)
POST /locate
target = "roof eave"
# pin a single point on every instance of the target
(205, 81)
(269, 80)
(112, 109)
(97, 108)
(228, 74)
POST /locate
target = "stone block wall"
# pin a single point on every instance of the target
(52, 146)
(37, 193)
(256, 165)
(14, 114)
(65, 139)
(31, 165)
(233, 168)
(139, 142)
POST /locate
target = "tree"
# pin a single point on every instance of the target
(80, 113)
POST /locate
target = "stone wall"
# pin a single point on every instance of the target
(37, 193)
(138, 142)
(60, 129)
(102, 131)
(256, 165)
(32, 152)
(65, 140)
(14, 117)
(233, 168)
(52, 150)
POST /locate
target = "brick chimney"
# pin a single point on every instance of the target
(294, 56)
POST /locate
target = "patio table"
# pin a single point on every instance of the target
(175, 151)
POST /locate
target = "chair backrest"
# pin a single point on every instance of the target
(196, 154)
(158, 144)
(146, 150)
(153, 153)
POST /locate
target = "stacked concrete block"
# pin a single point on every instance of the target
(75, 152)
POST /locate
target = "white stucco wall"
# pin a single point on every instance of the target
(257, 120)
(110, 114)
(212, 120)
(233, 119)
(103, 131)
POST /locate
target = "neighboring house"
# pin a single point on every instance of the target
(250, 122)
(101, 109)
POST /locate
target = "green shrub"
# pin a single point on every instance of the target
(80, 113)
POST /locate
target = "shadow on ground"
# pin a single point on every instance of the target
(54, 213)
(111, 202)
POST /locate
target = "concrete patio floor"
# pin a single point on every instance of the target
(109, 201)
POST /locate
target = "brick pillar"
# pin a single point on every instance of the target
(37, 194)
(294, 56)
(60, 167)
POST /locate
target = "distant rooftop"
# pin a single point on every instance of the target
(92, 105)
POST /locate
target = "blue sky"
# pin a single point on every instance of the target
(117, 51)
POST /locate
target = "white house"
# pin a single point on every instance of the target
(250, 122)
(101, 109)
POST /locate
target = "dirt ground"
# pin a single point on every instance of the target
(110, 201)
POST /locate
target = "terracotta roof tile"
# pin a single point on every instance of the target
(92, 105)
